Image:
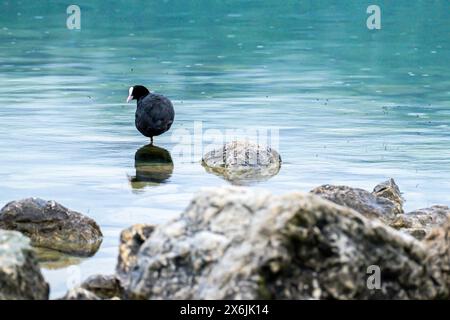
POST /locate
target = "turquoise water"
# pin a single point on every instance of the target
(353, 106)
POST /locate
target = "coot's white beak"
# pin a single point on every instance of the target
(129, 98)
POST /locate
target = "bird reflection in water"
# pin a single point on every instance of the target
(153, 166)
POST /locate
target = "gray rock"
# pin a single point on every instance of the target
(20, 276)
(96, 287)
(105, 287)
(237, 243)
(384, 203)
(79, 293)
(50, 225)
(389, 190)
(242, 163)
(420, 223)
(437, 243)
(131, 240)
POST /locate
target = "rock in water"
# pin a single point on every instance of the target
(20, 276)
(243, 162)
(237, 243)
(384, 203)
(50, 225)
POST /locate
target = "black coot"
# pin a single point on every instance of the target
(154, 113)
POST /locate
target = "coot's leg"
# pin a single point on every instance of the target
(151, 141)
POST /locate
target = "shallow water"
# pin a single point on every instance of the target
(353, 106)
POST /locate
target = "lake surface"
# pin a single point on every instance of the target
(344, 104)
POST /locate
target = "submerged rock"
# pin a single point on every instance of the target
(53, 259)
(131, 240)
(243, 162)
(420, 223)
(237, 243)
(384, 203)
(50, 225)
(20, 276)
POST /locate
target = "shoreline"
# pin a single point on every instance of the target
(384, 205)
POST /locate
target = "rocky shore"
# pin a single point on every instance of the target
(244, 243)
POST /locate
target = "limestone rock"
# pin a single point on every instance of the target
(237, 243)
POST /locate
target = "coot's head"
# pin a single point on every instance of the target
(137, 92)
